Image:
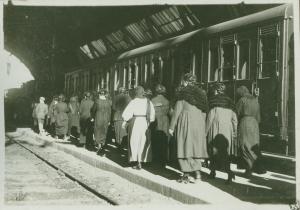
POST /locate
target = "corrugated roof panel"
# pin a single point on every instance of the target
(190, 21)
(85, 49)
(170, 14)
(136, 32)
(175, 12)
(156, 19)
(100, 47)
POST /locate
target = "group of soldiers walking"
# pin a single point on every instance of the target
(201, 128)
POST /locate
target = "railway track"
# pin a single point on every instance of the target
(103, 185)
(69, 176)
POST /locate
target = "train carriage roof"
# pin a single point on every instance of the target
(276, 12)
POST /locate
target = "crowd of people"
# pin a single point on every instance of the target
(206, 130)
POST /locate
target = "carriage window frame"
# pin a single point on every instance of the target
(216, 46)
(132, 74)
(261, 36)
(248, 73)
(222, 67)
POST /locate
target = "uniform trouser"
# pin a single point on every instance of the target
(86, 131)
(41, 125)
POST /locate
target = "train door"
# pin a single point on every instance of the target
(267, 84)
(133, 75)
(245, 73)
(228, 63)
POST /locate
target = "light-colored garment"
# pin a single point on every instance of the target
(139, 145)
(223, 121)
(61, 118)
(41, 111)
(248, 111)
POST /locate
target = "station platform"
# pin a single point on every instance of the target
(268, 188)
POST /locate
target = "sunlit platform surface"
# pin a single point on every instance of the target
(268, 188)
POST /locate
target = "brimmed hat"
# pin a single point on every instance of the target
(42, 98)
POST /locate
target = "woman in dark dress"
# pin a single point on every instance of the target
(120, 103)
(248, 112)
(86, 126)
(188, 127)
(221, 127)
(74, 129)
(101, 112)
(61, 117)
(160, 135)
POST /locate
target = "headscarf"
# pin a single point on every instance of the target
(193, 95)
(148, 93)
(102, 92)
(160, 89)
(61, 98)
(242, 91)
(122, 90)
(190, 79)
(139, 92)
(219, 87)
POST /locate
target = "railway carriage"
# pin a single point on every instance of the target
(254, 50)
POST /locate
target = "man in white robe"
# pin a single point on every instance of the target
(136, 111)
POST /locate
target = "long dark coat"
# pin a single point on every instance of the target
(102, 114)
(61, 118)
(120, 103)
(74, 115)
(51, 112)
(160, 128)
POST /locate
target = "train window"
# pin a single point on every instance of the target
(244, 60)
(227, 58)
(156, 69)
(214, 64)
(186, 61)
(133, 76)
(126, 77)
(268, 46)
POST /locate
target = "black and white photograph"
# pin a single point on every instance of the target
(150, 104)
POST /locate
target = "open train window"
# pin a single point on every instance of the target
(227, 58)
(244, 60)
(213, 62)
(268, 50)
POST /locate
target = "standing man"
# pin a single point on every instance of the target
(51, 115)
(41, 111)
(160, 135)
(120, 103)
(86, 127)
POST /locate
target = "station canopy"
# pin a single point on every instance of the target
(58, 39)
